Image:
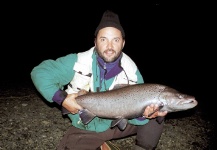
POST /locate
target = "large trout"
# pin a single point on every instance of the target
(129, 102)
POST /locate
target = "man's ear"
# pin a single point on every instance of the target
(95, 42)
(123, 44)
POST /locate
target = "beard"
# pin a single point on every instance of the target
(106, 58)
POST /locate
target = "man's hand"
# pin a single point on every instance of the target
(70, 103)
(153, 108)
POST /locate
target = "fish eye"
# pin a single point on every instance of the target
(180, 96)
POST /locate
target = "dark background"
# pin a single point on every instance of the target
(171, 42)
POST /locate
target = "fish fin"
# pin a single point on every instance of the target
(120, 122)
(86, 116)
(115, 122)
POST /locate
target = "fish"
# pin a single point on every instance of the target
(129, 102)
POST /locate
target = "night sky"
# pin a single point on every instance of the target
(169, 41)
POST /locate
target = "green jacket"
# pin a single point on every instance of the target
(52, 75)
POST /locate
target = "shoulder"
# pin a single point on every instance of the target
(126, 61)
(131, 69)
(86, 53)
(77, 57)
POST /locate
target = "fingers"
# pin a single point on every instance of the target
(70, 104)
(162, 113)
(74, 112)
(82, 92)
(150, 111)
(153, 111)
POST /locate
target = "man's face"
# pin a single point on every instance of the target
(109, 43)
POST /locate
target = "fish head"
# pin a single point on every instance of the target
(174, 100)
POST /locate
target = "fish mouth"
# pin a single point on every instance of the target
(184, 105)
(181, 105)
(190, 101)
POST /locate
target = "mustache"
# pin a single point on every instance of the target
(110, 49)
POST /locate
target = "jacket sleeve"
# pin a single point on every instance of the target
(50, 76)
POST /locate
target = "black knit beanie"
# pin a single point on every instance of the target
(110, 19)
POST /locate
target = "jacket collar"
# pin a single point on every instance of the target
(109, 70)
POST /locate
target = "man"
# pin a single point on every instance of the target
(98, 69)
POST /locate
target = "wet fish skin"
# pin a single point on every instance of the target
(130, 102)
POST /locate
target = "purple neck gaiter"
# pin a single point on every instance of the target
(109, 70)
